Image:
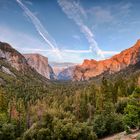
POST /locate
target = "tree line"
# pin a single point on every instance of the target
(69, 111)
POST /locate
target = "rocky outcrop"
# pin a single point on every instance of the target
(7, 71)
(13, 57)
(14, 67)
(40, 64)
(92, 68)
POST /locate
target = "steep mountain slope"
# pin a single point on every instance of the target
(15, 69)
(13, 57)
(40, 64)
(92, 68)
(127, 74)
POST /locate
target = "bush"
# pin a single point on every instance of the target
(127, 130)
(53, 128)
(120, 105)
(106, 124)
(132, 111)
(7, 132)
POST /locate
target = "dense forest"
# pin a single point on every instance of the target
(69, 110)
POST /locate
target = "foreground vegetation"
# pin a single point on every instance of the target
(72, 111)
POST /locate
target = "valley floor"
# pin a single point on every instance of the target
(123, 136)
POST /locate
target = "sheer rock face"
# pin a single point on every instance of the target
(13, 57)
(40, 64)
(92, 68)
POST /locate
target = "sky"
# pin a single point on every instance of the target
(70, 30)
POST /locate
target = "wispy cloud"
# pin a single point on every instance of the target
(124, 9)
(66, 51)
(101, 14)
(29, 2)
(32, 44)
(110, 52)
(12, 36)
(89, 51)
(40, 29)
(75, 12)
(111, 13)
(77, 37)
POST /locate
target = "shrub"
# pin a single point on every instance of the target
(120, 105)
(7, 132)
(106, 124)
(127, 130)
(53, 127)
(132, 110)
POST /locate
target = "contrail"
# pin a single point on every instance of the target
(89, 51)
(75, 12)
(70, 51)
(40, 29)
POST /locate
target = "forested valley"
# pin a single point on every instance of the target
(69, 69)
(69, 110)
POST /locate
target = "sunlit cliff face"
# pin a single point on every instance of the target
(92, 68)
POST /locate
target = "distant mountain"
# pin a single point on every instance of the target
(93, 68)
(64, 70)
(40, 64)
(37, 65)
(66, 74)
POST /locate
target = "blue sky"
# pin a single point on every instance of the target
(70, 30)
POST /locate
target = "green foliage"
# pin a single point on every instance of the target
(7, 132)
(3, 118)
(31, 109)
(128, 130)
(3, 101)
(53, 127)
(132, 110)
(120, 105)
(106, 124)
(3, 106)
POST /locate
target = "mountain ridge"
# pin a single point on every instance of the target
(13, 57)
(15, 68)
(40, 64)
(92, 68)
(85, 71)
